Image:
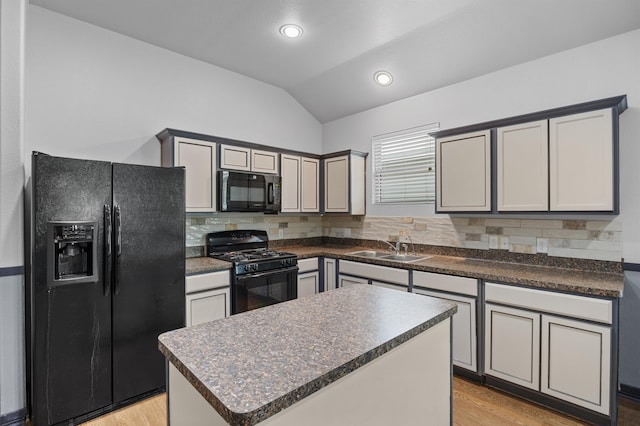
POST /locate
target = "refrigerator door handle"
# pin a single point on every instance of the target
(118, 249)
(107, 249)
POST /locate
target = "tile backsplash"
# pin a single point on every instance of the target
(581, 239)
(278, 227)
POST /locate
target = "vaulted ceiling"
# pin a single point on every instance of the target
(424, 44)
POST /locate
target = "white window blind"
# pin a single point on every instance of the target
(404, 166)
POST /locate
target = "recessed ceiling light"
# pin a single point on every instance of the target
(291, 31)
(383, 78)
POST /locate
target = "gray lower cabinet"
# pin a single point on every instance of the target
(512, 345)
(308, 277)
(330, 273)
(464, 292)
(554, 343)
(207, 297)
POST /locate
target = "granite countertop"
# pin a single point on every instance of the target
(252, 365)
(543, 277)
(202, 265)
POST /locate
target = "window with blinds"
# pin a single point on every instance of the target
(404, 166)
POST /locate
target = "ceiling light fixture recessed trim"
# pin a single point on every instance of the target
(291, 31)
(383, 78)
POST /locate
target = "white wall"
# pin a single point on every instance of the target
(95, 94)
(603, 69)
(12, 371)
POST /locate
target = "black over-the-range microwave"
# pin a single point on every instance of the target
(248, 192)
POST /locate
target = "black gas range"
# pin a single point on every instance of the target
(260, 276)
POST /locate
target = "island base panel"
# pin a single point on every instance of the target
(408, 385)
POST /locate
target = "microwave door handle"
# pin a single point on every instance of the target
(118, 249)
(107, 250)
(270, 195)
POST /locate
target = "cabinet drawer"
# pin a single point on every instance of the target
(378, 273)
(306, 265)
(391, 286)
(562, 304)
(201, 282)
(449, 283)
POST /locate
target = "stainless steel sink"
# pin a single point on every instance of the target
(368, 253)
(387, 256)
(403, 257)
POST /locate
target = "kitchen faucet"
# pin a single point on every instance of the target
(396, 248)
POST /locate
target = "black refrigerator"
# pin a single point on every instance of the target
(106, 277)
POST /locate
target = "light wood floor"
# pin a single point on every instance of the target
(473, 405)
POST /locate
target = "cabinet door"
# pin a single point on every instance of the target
(581, 162)
(329, 274)
(308, 283)
(235, 157)
(264, 161)
(336, 184)
(207, 306)
(290, 189)
(463, 165)
(464, 338)
(199, 159)
(576, 362)
(523, 167)
(512, 345)
(346, 280)
(310, 185)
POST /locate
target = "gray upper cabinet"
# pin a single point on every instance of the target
(344, 183)
(248, 159)
(330, 183)
(581, 161)
(522, 167)
(463, 165)
(560, 160)
(300, 184)
(199, 160)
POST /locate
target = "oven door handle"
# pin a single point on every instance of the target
(271, 272)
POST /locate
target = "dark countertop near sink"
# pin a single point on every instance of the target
(318, 339)
(543, 277)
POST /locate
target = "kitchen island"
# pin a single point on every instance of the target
(360, 355)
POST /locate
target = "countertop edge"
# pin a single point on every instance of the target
(544, 283)
(268, 410)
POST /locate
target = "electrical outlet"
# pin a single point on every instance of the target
(493, 241)
(504, 243)
(542, 245)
